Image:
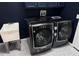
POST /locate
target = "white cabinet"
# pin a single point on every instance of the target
(76, 38)
(10, 32)
(43, 4)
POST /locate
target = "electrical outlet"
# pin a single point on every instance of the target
(77, 17)
(42, 12)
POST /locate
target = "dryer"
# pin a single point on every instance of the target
(62, 32)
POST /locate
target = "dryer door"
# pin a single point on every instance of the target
(64, 30)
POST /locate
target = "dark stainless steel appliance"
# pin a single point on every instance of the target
(62, 32)
(41, 37)
(46, 33)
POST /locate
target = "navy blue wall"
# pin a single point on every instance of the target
(70, 11)
(35, 12)
(13, 12)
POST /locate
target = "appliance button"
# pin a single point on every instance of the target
(55, 28)
(34, 31)
(55, 34)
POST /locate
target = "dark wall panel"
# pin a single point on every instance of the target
(70, 11)
(35, 12)
(12, 12)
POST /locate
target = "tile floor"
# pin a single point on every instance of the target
(66, 50)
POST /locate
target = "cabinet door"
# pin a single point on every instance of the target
(42, 4)
(60, 4)
(55, 4)
(30, 4)
(52, 4)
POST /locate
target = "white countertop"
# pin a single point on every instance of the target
(10, 32)
(10, 27)
(66, 50)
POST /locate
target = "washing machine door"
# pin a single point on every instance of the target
(64, 30)
(42, 35)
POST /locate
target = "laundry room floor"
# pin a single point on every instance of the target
(66, 50)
